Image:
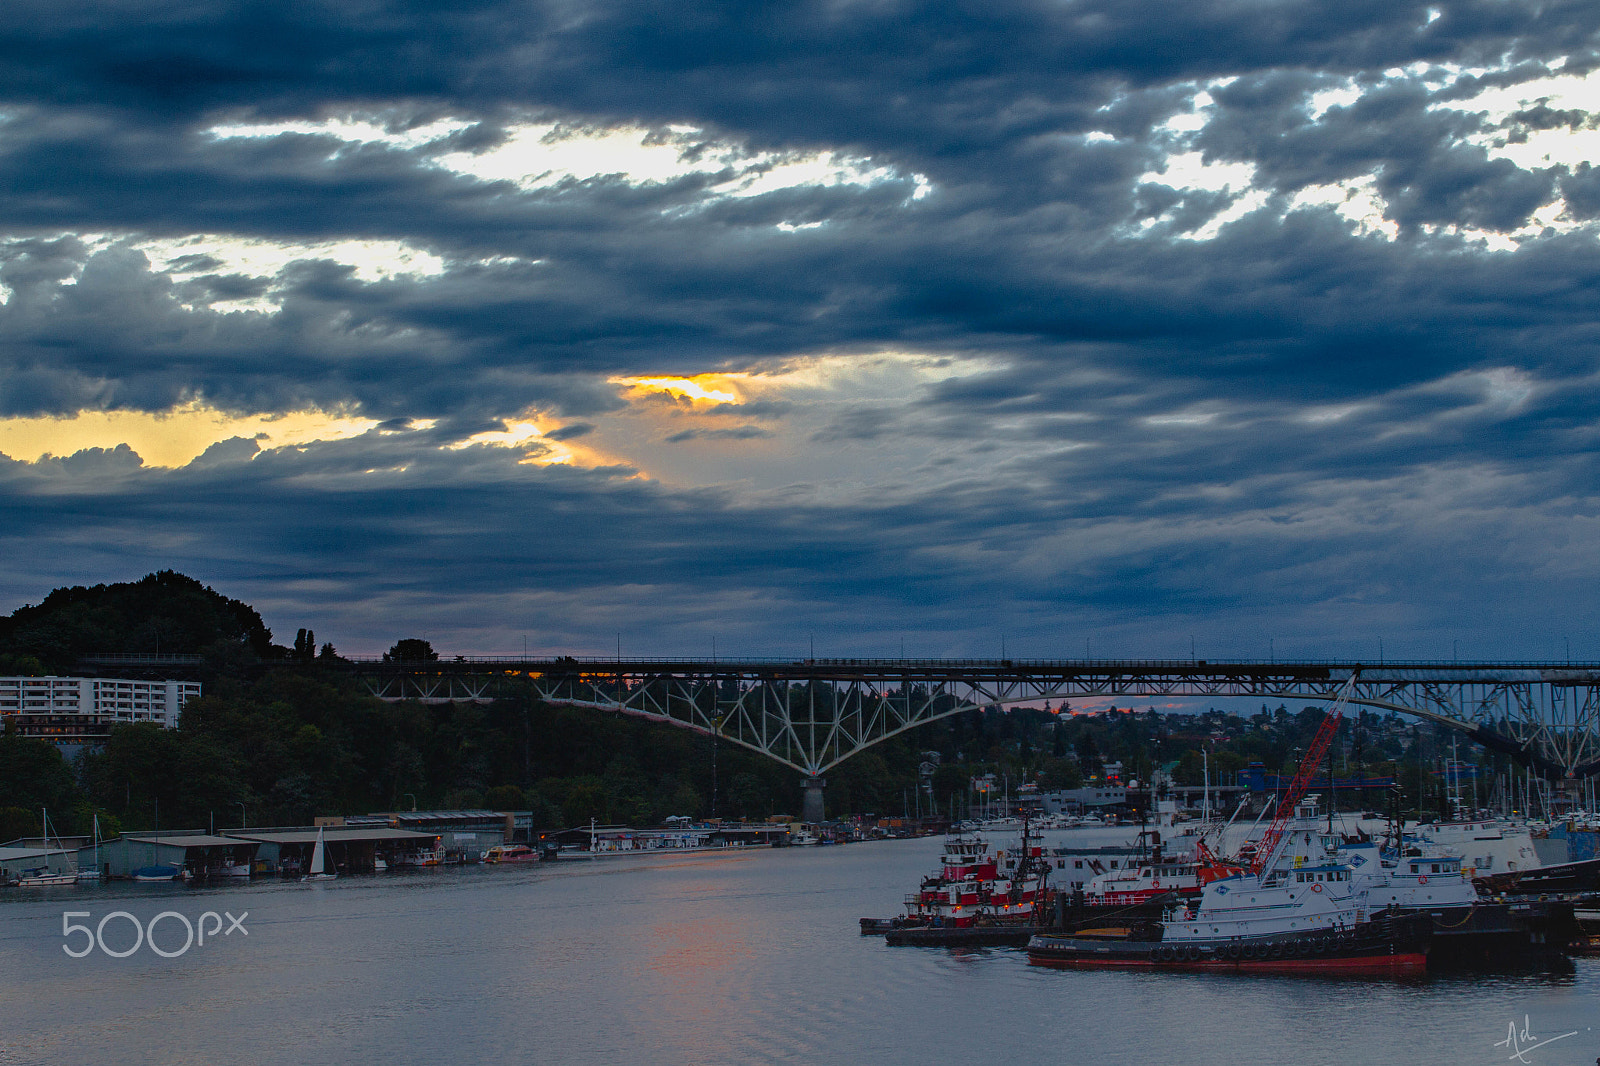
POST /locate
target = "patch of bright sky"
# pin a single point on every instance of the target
(541, 154)
(1190, 171)
(710, 388)
(634, 436)
(1356, 199)
(1324, 100)
(170, 439)
(373, 260)
(1542, 148)
(350, 129)
(527, 435)
(814, 391)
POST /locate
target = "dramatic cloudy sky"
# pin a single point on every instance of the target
(1106, 324)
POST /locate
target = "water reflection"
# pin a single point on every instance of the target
(691, 960)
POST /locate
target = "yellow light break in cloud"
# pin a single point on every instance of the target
(171, 438)
(707, 388)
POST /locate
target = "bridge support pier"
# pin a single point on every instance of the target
(811, 810)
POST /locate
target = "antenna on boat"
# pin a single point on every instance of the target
(1333, 796)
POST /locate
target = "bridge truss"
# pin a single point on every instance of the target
(811, 715)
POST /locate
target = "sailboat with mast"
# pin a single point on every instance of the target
(318, 870)
(43, 877)
(91, 875)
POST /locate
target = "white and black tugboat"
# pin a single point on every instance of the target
(1291, 917)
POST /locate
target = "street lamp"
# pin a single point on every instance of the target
(242, 820)
(413, 800)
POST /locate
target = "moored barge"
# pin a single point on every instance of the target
(1392, 946)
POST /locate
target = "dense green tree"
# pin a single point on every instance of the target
(410, 650)
(21, 666)
(1059, 774)
(505, 798)
(18, 822)
(33, 775)
(164, 612)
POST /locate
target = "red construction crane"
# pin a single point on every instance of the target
(1302, 779)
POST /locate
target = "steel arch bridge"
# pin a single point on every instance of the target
(813, 714)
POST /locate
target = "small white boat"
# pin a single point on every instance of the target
(434, 857)
(318, 870)
(379, 865)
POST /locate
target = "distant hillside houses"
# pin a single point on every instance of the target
(79, 709)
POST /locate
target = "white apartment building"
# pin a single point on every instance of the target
(87, 706)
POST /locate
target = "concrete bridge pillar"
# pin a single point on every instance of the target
(811, 810)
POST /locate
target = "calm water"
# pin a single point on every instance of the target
(693, 960)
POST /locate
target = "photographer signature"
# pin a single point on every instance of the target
(1521, 1042)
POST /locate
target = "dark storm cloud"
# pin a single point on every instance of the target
(1288, 416)
(482, 548)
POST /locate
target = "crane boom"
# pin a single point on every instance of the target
(1268, 846)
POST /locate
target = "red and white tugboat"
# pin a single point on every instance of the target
(975, 886)
(1157, 877)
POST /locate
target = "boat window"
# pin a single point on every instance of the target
(1144, 873)
(1435, 867)
(1077, 864)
